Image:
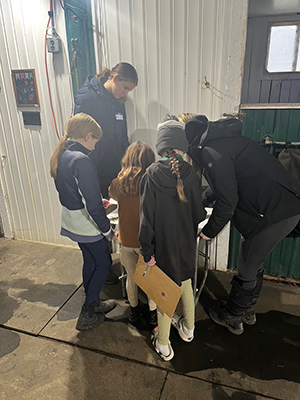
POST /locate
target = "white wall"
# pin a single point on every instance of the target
(28, 194)
(173, 44)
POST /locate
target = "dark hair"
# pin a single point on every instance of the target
(185, 117)
(136, 160)
(170, 117)
(123, 70)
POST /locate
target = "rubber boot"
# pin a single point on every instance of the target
(151, 317)
(249, 317)
(112, 278)
(135, 313)
(88, 319)
(231, 314)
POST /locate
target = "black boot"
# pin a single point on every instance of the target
(88, 319)
(135, 313)
(151, 317)
(249, 317)
(112, 278)
(231, 315)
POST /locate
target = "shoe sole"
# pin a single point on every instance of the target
(88, 327)
(176, 324)
(222, 323)
(249, 322)
(162, 356)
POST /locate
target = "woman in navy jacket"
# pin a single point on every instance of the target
(252, 189)
(103, 97)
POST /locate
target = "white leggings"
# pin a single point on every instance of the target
(129, 257)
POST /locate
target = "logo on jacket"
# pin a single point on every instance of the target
(119, 117)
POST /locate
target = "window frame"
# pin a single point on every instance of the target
(296, 45)
(268, 22)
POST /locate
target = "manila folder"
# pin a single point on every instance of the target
(158, 287)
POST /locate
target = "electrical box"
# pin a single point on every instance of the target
(53, 45)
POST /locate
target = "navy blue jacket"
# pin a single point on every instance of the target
(93, 99)
(83, 215)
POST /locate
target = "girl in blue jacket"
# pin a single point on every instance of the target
(83, 215)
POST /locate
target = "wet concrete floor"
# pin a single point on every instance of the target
(42, 356)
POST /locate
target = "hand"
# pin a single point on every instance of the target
(105, 203)
(152, 261)
(112, 236)
(203, 236)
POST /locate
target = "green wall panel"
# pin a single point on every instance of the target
(79, 31)
(282, 125)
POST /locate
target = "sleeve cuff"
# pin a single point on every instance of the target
(108, 234)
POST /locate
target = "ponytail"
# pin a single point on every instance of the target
(57, 152)
(175, 170)
(104, 73)
(76, 128)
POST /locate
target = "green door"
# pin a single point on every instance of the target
(79, 29)
(282, 125)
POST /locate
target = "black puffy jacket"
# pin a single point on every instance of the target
(250, 185)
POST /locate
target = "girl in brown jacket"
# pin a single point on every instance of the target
(125, 190)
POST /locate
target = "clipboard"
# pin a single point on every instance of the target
(158, 287)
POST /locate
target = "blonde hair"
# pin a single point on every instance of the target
(76, 128)
(136, 160)
(175, 170)
(185, 117)
(123, 71)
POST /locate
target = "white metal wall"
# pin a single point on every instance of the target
(29, 202)
(173, 44)
(176, 46)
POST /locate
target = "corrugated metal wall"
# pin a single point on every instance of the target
(27, 189)
(174, 44)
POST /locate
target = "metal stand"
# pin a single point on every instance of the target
(123, 278)
(198, 286)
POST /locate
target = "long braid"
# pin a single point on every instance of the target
(175, 170)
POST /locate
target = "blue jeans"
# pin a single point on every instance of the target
(96, 264)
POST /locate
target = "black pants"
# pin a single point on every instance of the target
(255, 250)
(96, 264)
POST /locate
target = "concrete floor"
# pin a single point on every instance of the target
(42, 356)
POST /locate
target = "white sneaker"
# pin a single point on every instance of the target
(177, 322)
(154, 340)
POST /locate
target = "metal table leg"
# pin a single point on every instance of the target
(198, 287)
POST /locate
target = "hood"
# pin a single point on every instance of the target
(200, 131)
(92, 84)
(161, 176)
